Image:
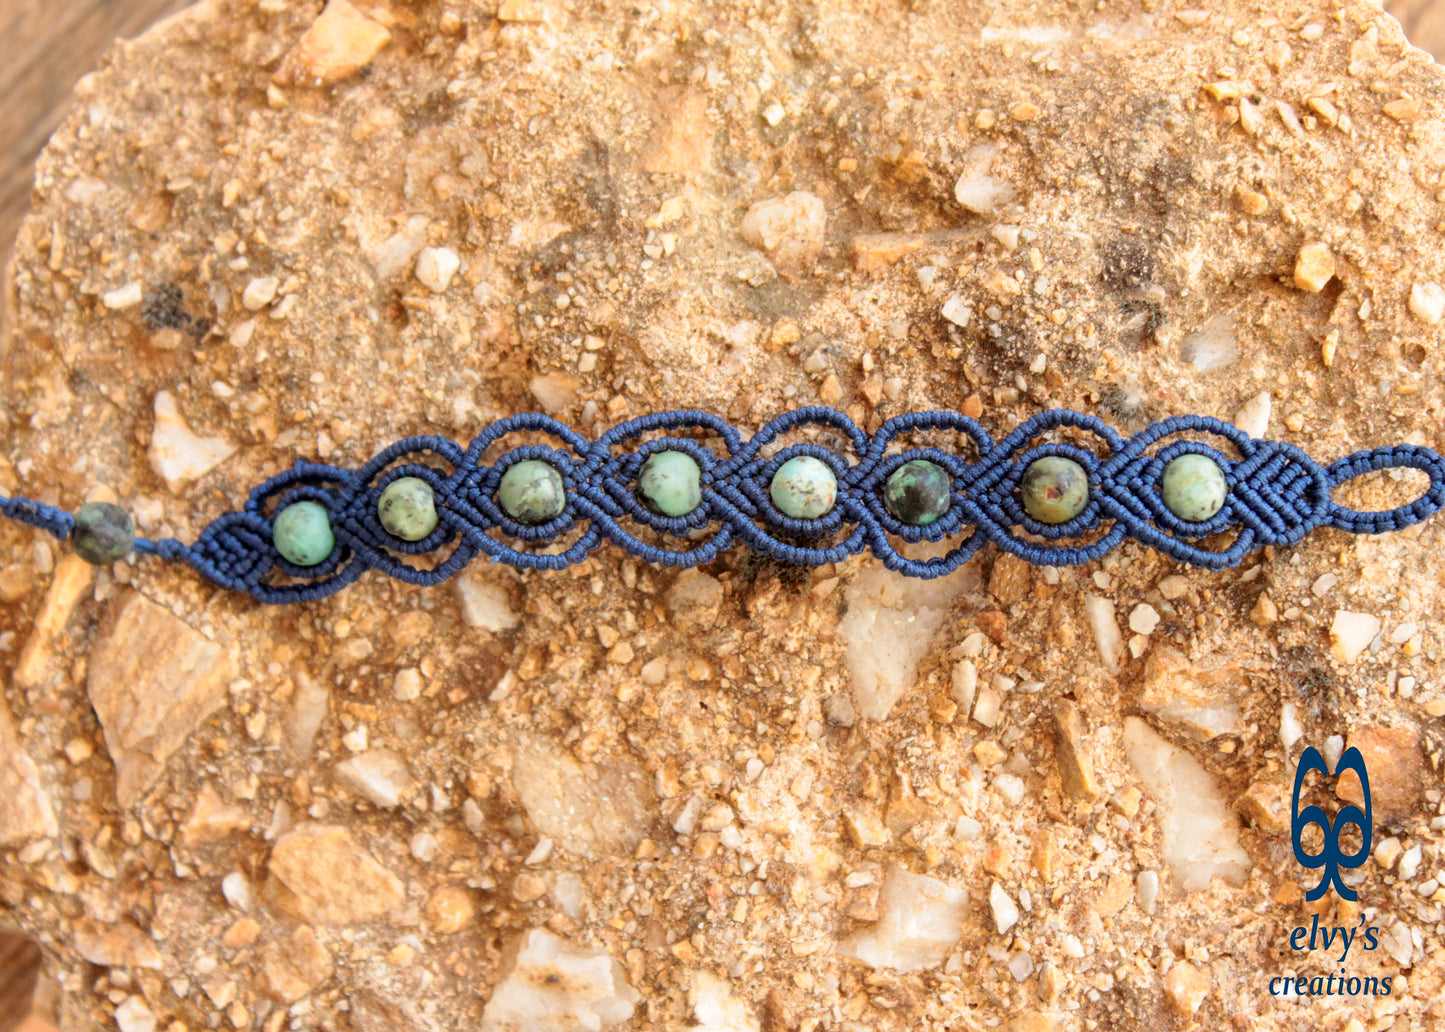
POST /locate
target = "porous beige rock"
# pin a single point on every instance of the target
(152, 679)
(293, 967)
(684, 776)
(339, 43)
(25, 808)
(323, 875)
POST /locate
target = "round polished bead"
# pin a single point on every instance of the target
(916, 492)
(531, 492)
(407, 508)
(102, 533)
(804, 488)
(1054, 489)
(670, 483)
(1193, 487)
(302, 533)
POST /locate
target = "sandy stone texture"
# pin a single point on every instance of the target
(629, 797)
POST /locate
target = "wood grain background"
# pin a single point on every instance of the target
(52, 43)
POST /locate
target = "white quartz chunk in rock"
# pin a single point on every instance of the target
(379, 775)
(717, 1009)
(1351, 634)
(1427, 302)
(1100, 614)
(177, 454)
(1253, 415)
(1199, 834)
(790, 228)
(550, 985)
(435, 267)
(975, 189)
(889, 627)
(485, 604)
(596, 810)
(919, 920)
(1213, 346)
(1005, 910)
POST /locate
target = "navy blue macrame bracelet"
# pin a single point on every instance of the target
(314, 529)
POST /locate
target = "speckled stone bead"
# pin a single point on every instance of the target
(1054, 489)
(916, 492)
(407, 508)
(670, 483)
(102, 533)
(1193, 487)
(531, 492)
(804, 488)
(302, 533)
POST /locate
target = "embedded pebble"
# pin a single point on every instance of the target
(1351, 634)
(957, 310)
(1211, 347)
(1313, 267)
(132, 1015)
(259, 293)
(1427, 302)
(1147, 890)
(329, 878)
(919, 920)
(122, 298)
(1143, 619)
(1198, 832)
(1005, 910)
(1100, 614)
(789, 228)
(1410, 862)
(1253, 415)
(435, 267)
(975, 189)
(717, 1008)
(338, 44)
(177, 454)
(378, 775)
(1322, 585)
(550, 983)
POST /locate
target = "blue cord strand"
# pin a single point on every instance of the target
(1277, 494)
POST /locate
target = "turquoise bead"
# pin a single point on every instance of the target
(1193, 487)
(916, 492)
(804, 488)
(670, 483)
(302, 533)
(1054, 489)
(102, 533)
(531, 492)
(407, 508)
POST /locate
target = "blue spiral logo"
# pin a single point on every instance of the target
(1330, 857)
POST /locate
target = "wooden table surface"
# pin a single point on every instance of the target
(52, 43)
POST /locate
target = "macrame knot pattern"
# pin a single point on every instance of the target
(1276, 494)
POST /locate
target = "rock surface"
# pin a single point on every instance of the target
(691, 789)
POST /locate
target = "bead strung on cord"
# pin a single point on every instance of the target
(309, 532)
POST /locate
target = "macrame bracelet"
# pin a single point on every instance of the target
(314, 529)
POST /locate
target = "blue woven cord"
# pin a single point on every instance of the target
(1276, 495)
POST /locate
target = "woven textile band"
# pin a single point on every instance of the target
(1276, 495)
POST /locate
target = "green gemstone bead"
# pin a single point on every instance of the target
(916, 492)
(670, 483)
(102, 533)
(1054, 489)
(804, 488)
(531, 492)
(1194, 488)
(407, 508)
(302, 533)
